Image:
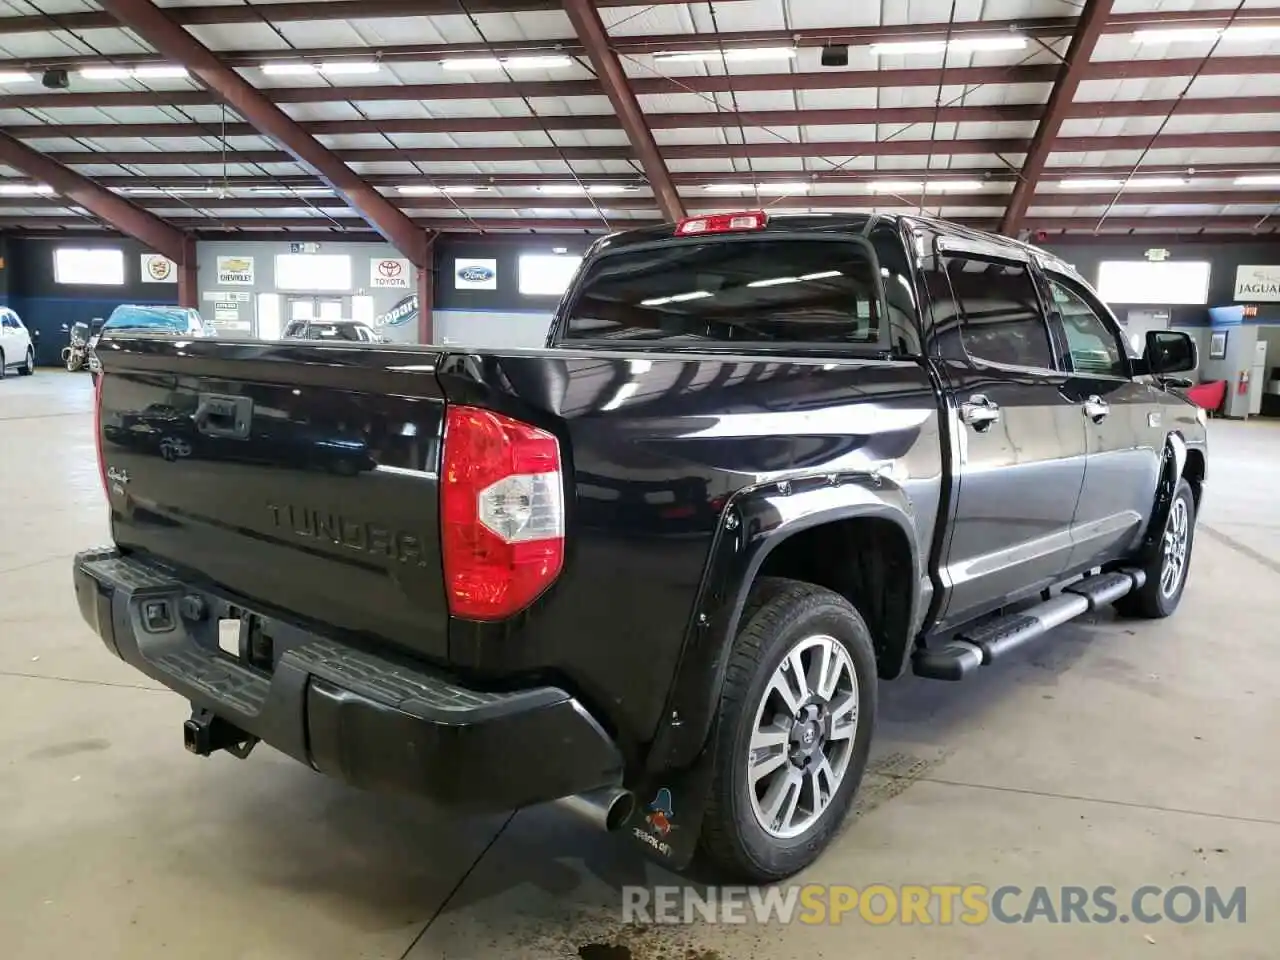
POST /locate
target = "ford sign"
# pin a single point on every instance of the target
(476, 274)
(402, 313)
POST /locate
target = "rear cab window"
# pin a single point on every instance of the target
(782, 289)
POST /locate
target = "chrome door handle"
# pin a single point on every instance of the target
(1096, 409)
(979, 412)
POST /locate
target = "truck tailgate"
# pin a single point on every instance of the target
(286, 474)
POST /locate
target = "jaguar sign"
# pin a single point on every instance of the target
(1258, 283)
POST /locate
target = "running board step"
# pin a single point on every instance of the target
(981, 645)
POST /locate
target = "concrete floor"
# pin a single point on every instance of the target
(1112, 753)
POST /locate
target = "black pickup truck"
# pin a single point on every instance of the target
(657, 570)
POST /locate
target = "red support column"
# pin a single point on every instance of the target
(1093, 19)
(155, 26)
(426, 300)
(188, 283)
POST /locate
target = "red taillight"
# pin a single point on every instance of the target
(501, 513)
(97, 434)
(722, 223)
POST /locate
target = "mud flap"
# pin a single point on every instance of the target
(667, 819)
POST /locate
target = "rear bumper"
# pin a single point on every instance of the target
(374, 722)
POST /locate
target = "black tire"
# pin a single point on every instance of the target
(779, 615)
(1155, 601)
(28, 368)
(3, 369)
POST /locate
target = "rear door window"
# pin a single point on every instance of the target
(1001, 320)
(759, 290)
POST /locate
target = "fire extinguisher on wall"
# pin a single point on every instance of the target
(1242, 386)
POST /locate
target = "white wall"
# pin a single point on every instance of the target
(487, 328)
(264, 264)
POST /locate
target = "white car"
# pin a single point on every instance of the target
(16, 350)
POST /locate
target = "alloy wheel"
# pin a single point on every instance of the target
(802, 739)
(1176, 534)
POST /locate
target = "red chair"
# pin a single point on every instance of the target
(1208, 396)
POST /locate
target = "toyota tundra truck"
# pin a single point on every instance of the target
(656, 571)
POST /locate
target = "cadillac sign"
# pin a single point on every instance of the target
(1258, 283)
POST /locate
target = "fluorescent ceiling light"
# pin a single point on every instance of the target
(1259, 180)
(1012, 42)
(509, 63)
(822, 275)
(292, 191)
(536, 63)
(897, 47)
(916, 186)
(288, 69)
(577, 190)
(1104, 184)
(430, 189)
(732, 55)
(472, 63)
(24, 189)
(15, 76)
(348, 67)
(1158, 182)
(1186, 34)
(776, 188)
(169, 191)
(161, 71)
(1252, 33)
(1207, 34)
(896, 186)
(105, 73)
(1113, 183)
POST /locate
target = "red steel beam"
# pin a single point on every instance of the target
(152, 25)
(595, 39)
(645, 86)
(1188, 225)
(697, 151)
(695, 200)
(1044, 27)
(850, 116)
(1093, 18)
(146, 228)
(847, 176)
(829, 80)
(302, 11)
(701, 202)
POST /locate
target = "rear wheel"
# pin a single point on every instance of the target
(1167, 570)
(3, 369)
(29, 367)
(796, 717)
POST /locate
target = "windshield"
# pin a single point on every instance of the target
(732, 290)
(179, 320)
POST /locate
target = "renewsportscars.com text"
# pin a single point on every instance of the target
(933, 904)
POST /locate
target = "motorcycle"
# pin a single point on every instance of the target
(76, 354)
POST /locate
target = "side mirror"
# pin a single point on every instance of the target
(1169, 351)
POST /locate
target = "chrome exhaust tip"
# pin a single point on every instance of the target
(607, 808)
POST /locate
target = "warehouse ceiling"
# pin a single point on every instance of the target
(1159, 117)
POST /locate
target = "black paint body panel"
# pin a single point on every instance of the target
(343, 445)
